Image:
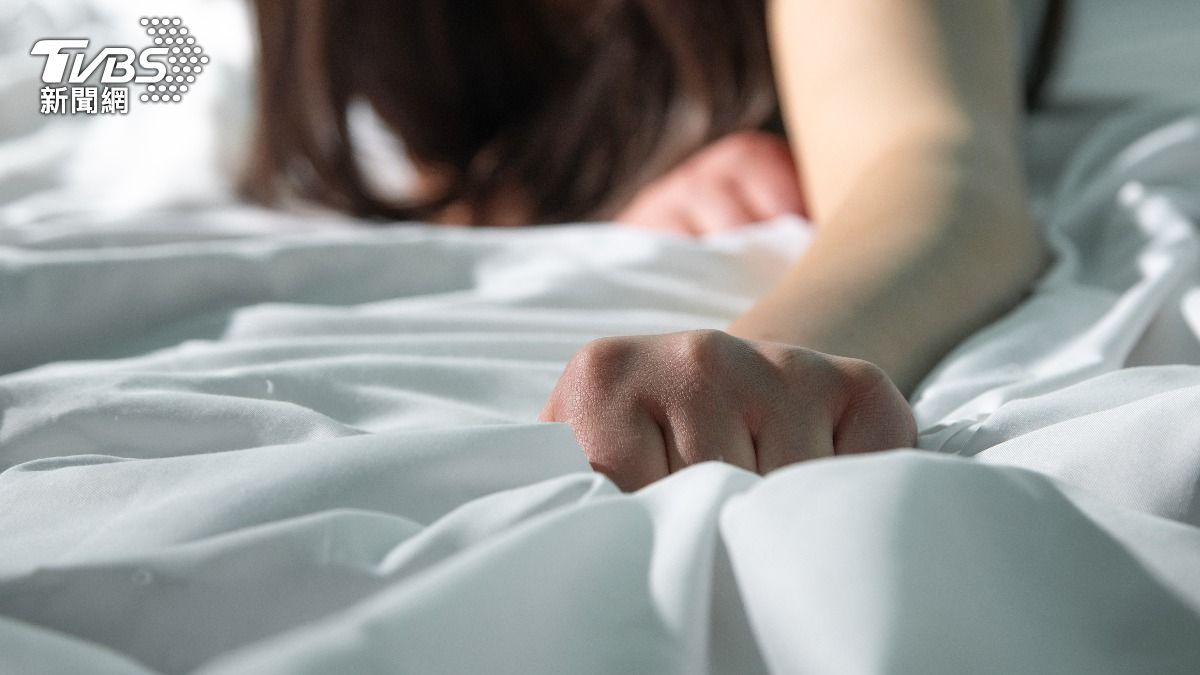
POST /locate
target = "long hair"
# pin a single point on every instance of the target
(513, 111)
(551, 109)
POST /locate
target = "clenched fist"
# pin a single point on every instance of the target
(643, 407)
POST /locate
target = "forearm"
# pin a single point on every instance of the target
(903, 118)
(935, 242)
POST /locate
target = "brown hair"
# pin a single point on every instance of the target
(542, 105)
(515, 111)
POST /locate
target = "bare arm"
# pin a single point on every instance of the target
(904, 118)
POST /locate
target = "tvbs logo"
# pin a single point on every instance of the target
(166, 70)
(118, 63)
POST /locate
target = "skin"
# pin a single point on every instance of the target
(742, 179)
(902, 118)
(646, 406)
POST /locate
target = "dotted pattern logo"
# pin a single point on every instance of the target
(185, 60)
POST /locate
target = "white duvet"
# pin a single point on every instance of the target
(235, 441)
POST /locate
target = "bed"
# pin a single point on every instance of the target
(242, 441)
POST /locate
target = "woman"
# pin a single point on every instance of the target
(900, 115)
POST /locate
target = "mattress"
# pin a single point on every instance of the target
(242, 441)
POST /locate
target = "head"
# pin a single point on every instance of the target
(512, 111)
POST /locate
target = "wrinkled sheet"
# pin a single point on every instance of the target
(229, 447)
(236, 441)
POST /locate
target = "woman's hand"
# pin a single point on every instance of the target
(742, 179)
(643, 407)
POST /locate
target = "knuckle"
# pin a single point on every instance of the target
(872, 393)
(836, 379)
(864, 378)
(600, 361)
(702, 349)
(799, 363)
(698, 367)
(775, 366)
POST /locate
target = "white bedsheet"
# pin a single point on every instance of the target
(234, 450)
(233, 441)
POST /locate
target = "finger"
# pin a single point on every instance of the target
(718, 208)
(620, 439)
(555, 403)
(875, 417)
(678, 221)
(672, 220)
(788, 439)
(630, 451)
(696, 433)
(869, 426)
(772, 190)
(795, 423)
